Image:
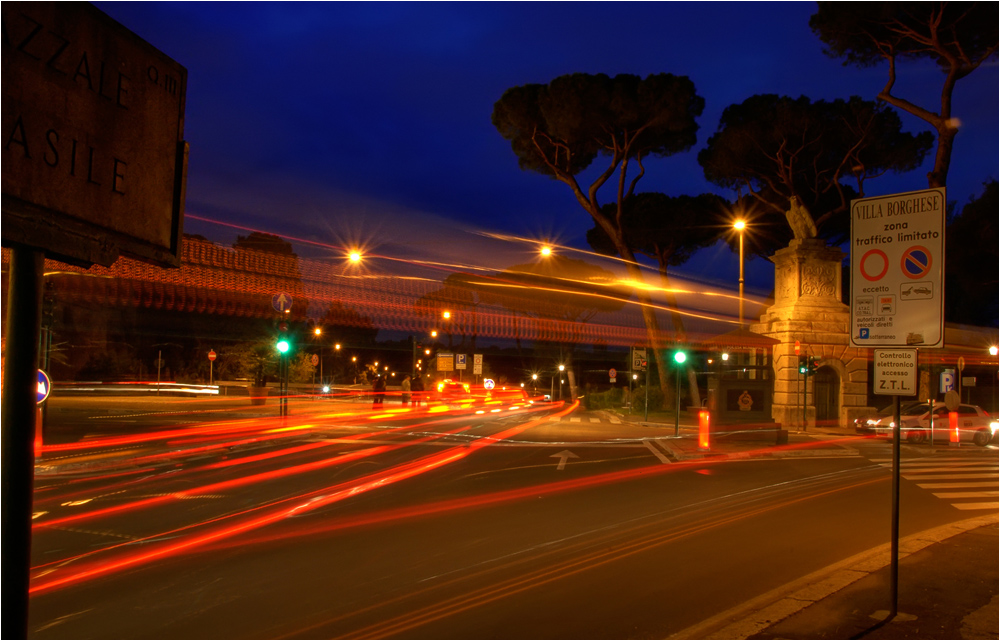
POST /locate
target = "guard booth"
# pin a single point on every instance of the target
(741, 387)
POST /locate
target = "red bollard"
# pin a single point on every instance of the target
(704, 419)
(953, 427)
(38, 432)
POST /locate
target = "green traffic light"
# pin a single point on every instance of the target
(283, 346)
(680, 357)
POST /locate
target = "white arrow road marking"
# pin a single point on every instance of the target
(563, 456)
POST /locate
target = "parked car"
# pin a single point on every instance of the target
(974, 424)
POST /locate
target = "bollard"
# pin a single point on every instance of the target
(38, 432)
(953, 428)
(704, 419)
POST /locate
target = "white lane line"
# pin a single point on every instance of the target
(656, 452)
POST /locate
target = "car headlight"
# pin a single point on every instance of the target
(994, 426)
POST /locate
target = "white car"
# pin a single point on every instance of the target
(974, 424)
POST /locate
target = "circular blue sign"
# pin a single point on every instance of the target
(488, 383)
(44, 387)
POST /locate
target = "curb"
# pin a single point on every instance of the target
(754, 616)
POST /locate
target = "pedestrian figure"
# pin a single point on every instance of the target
(378, 389)
(405, 386)
(418, 387)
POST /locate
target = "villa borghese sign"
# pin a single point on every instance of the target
(94, 158)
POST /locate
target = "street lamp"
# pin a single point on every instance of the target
(739, 225)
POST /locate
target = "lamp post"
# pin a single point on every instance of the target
(317, 332)
(739, 226)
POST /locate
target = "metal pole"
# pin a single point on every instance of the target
(741, 279)
(20, 389)
(159, 364)
(677, 388)
(646, 408)
(894, 528)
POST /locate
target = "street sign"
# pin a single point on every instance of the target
(897, 267)
(488, 383)
(612, 372)
(639, 359)
(314, 360)
(445, 362)
(946, 380)
(477, 364)
(895, 372)
(460, 361)
(211, 355)
(281, 302)
(44, 387)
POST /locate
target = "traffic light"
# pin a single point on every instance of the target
(680, 357)
(803, 366)
(811, 366)
(283, 344)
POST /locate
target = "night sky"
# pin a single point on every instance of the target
(370, 122)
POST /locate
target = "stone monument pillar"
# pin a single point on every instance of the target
(808, 309)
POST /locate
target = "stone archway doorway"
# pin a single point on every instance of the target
(826, 396)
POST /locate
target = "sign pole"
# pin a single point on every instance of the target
(894, 535)
(20, 391)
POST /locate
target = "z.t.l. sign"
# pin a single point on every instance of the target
(897, 267)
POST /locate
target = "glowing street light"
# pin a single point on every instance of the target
(354, 256)
(545, 251)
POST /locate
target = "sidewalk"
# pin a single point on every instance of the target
(948, 576)
(948, 586)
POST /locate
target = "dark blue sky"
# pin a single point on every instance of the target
(343, 121)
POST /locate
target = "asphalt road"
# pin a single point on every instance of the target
(155, 520)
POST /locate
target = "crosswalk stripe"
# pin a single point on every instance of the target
(615, 421)
(978, 506)
(594, 420)
(947, 477)
(656, 452)
(966, 495)
(930, 470)
(956, 485)
(953, 473)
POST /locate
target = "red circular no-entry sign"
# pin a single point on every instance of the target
(870, 265)
(211, 355)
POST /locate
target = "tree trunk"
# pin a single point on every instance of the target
(681, 334)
